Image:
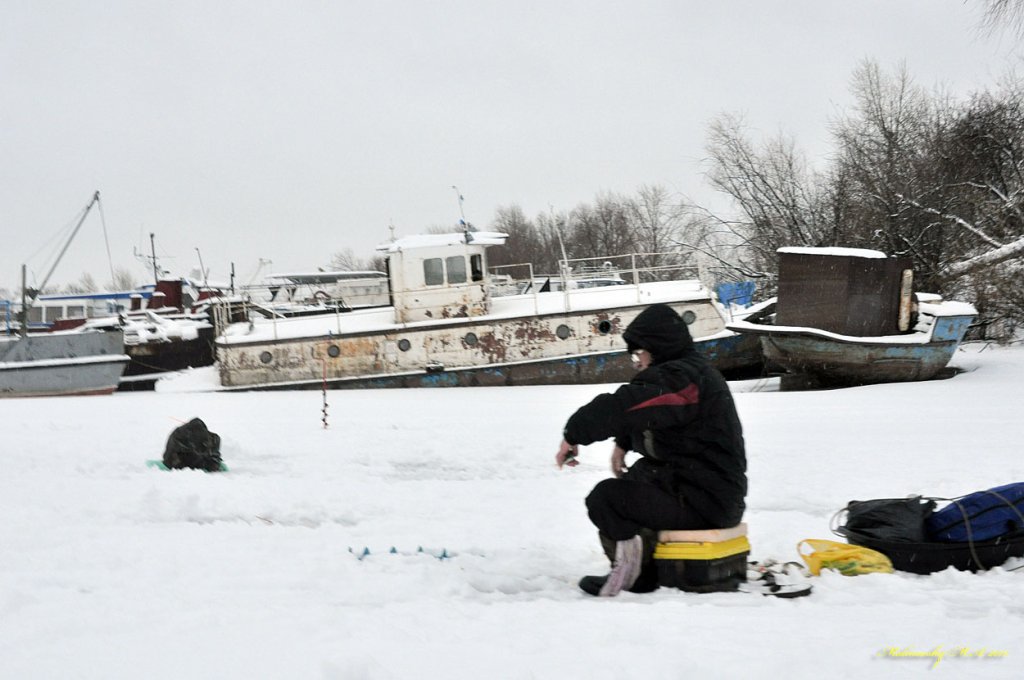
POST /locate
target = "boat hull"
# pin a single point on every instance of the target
(846, 361)
(58, 364)
(577, 348)
(599, 368)
(845, 364)
(152, 360)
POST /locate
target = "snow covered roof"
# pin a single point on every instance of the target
(843, 252)
(483, 238)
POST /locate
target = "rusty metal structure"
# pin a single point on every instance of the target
(445, 327)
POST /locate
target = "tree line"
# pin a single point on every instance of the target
(913, 173)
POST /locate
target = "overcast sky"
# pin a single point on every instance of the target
(291, 130)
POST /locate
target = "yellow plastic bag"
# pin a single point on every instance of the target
(848, 560)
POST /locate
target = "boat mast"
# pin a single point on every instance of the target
(152, 250)
(202, 269)
(31, 298)
(85, 213)
(462, 213)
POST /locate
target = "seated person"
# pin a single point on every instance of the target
(678, 414)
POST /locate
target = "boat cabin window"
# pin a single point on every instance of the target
(35, 314)
(456, 269)
(75, 312)
(476, 266)
(433, 271)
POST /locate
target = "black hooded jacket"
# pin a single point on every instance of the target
(679, 415)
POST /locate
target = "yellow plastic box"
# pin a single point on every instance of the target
(703, 561)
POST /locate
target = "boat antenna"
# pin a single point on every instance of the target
(152, 249)
(462, 214)
(561, 243)
(206, 282)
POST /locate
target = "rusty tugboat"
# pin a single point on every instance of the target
(446, 325)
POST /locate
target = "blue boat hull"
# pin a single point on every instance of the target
(846, 362)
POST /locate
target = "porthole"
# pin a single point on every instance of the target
(604, 327)
(563, 331)
(689, 317)
(470, 339)
(334, 351)
(404, 345)
(266, 357)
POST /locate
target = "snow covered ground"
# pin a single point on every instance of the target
(110, 569)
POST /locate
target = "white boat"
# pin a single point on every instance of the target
(443, 327)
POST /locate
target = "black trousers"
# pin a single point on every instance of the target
(620, 508)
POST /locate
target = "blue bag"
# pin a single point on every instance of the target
(980, 516)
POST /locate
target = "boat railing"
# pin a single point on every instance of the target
(348, 294)
(513, 279)
(583, 277)
(636, 268)
(585, 274)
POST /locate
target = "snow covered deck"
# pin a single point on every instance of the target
(383, 320)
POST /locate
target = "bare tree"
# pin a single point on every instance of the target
(656, 218)
(1003, 13)
(603, 229)
(780, 202)
(346, 260)
(123, 280)
(554, 245)
(914, 174)
(524, 244)
(882, 155)
(85, 284)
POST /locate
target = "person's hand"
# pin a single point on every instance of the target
(619, 461)
(566, 455)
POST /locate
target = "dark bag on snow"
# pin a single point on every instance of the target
(889, 519)
(980, 516)
(193, 446)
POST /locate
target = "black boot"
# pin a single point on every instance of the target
(647, 582)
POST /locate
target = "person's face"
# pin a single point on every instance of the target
(641, 359)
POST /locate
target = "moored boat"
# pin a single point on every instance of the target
(850, 317)
(443, 327)
(166, 325)
(62, 363)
